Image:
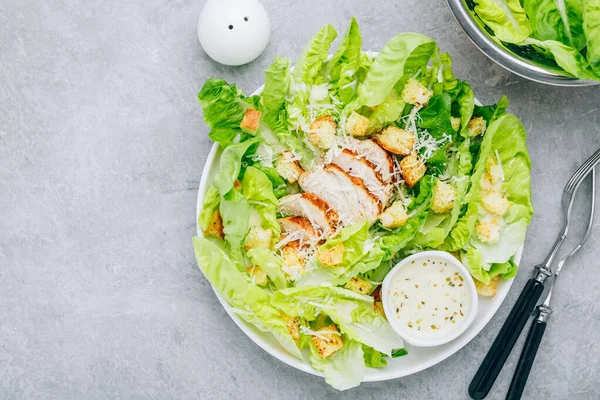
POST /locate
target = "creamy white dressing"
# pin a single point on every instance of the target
(429, 298)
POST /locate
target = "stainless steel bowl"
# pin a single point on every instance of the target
(514, 58)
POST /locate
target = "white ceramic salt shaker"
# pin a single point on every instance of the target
(233, 32)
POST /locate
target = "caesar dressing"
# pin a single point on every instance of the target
(429, 297)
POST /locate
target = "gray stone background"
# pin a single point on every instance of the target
(101, 149)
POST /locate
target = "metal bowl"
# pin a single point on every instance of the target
(517, 59)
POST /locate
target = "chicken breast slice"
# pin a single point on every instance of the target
(298, 228)
(346, 194)
(315, 209)
(358, 166)
(376, 155)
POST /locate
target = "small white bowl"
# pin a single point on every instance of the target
(410, 335)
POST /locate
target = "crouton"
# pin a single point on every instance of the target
(237, 185)
(292, 262)
(412, 169)
(394, 216)
(495, 203)
(332, 256)
(378, 307)
(396, 140)
(415, 93)
(359, 285)
(288, 167)
(292, 324)
(328, 340)
(258, 238)
(487, 290)
(250, 121)
(357, 125)
(258, 275)
(488, 230)
(477, 126)
(322, 131)
(455, 123)
(215, 225)
(443, 198)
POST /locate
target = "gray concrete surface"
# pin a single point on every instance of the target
(101, 150)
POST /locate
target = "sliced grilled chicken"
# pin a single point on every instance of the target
(346, 194)
(376, 155)
(358, 166)
(311, 207)
(298, 228)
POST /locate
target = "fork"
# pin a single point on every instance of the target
(513, 326)
(536, 332)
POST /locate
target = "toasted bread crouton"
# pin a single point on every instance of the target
(378, 307)
(394, 216)
(477, 126)
(328, 340)
(455, 123)
(258, 275)
(444, 195)
(488, 230)
(215, 225)
(332, 256)
(288, 166)
(237, 185)
(292, 262)
(495, 203)
(415, 93)
(396, 140)
(359, 285)
(357, 125)
(292, 324)
(258, 238)
(322, 131)
(250, 121)
(412, 169)
(487, 290)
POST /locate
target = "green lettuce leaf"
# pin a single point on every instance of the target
(406, 51)
(591, 27)
(210, 205)
(397, 239)
(258, 190)
(271, 264)
(230, 165)
(251, 303)
(277, 82)
(559, 20)
(235, 213)
(345, 64)
(352, 313)
(373, 358)
(316, 51)
(224, 106)
(506, 18)
(568, 58)
(345, 368)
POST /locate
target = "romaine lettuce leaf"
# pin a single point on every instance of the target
(271, 264)
(559, 20)
(591, 28)
(210, 205)
(224, 106)
(230, 165)
(345, 368)
(506, 18)
(258, 190)
(352, 313)
(251, 303)
(406, 51)
(568, 58)
(235, 213)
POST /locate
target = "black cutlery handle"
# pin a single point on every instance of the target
(496, 357)
(534, 338)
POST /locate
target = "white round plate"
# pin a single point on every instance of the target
(417, 359)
